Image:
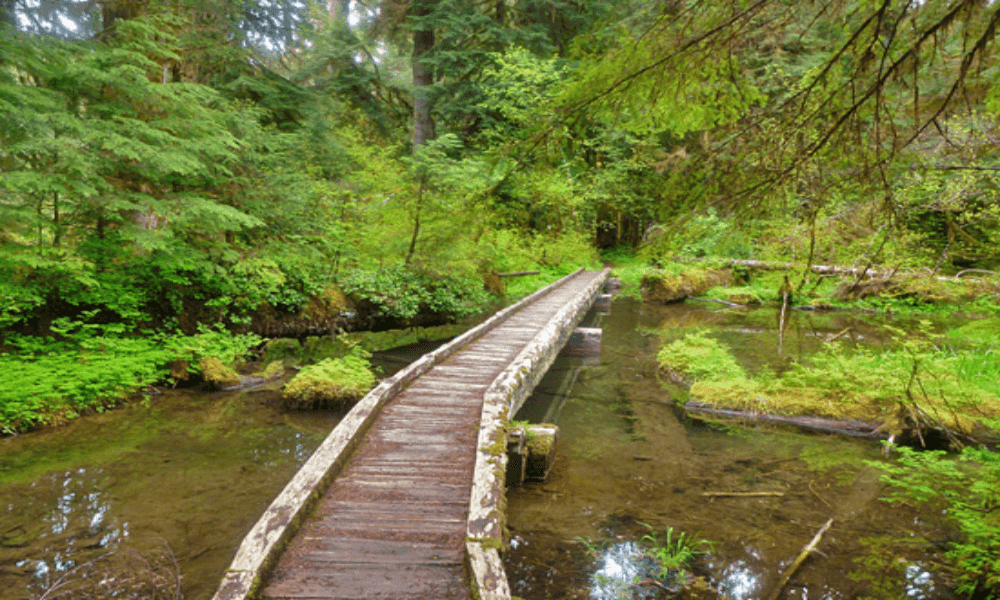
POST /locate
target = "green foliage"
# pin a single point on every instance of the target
(331, 382)
(706, 235)
(93, 368)
(673, 552)
(700, 358)
(401, 292)
(628, 266)
(965, 488)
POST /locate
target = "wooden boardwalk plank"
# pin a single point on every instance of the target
(393, 524)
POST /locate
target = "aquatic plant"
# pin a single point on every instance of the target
(673, 553)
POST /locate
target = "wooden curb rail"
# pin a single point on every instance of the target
(487, 517)
(262, 546)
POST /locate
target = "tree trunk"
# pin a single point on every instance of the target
(423, 75)
(7, 14)
(339, 12)
(113, 10)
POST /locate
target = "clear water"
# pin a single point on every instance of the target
(628, 459)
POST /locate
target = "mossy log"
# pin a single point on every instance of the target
(848, 427)
(664, 287)
(912, 432)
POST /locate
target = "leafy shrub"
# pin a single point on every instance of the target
(403, 293)
(47, 381)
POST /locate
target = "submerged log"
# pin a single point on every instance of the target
(848, 427)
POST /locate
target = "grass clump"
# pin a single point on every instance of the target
(331, 382)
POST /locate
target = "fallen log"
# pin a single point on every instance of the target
(742, 494)
(848, 427)
(869, 273)
(518, 273)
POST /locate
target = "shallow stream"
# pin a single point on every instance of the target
(169, 485)
(628, 461)
(176, 481)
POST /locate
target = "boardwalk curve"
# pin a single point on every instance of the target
(388, 495)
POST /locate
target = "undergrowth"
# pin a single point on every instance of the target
(94, 367)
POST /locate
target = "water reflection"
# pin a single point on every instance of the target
(919, 582)
(622, 566)
(739, 581)
(64, 521)
(173, 479)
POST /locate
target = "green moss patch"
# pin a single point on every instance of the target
(217, 374)
(331, 382)
(916, 383)
(664, 286)
(698, 357)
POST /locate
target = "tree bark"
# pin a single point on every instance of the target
(113, 10)
(339, 11)
(423, 75)
(7, 14)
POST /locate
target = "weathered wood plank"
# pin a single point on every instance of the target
(394, 522)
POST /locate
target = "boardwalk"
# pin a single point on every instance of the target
(393, 524)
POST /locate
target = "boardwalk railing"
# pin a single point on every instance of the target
(487, 519)
(262, 546)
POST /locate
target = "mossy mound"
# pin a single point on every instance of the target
(217, 374)
(893, 417)
(697, 357)
(955, 392)
(330, 383)
(665, 287)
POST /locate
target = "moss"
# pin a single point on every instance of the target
(498, 445)
(281, 348)
(697, 357)
(330, 382)
(217, 374)
(665, 287)
(273, 370)
(540, 444)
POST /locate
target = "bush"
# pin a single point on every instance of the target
(403, 293)
(47, 381)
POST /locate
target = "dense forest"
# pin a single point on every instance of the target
(170, 164)
(182, 179)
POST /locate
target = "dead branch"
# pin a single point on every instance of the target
(742, 494)
(810, 547)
